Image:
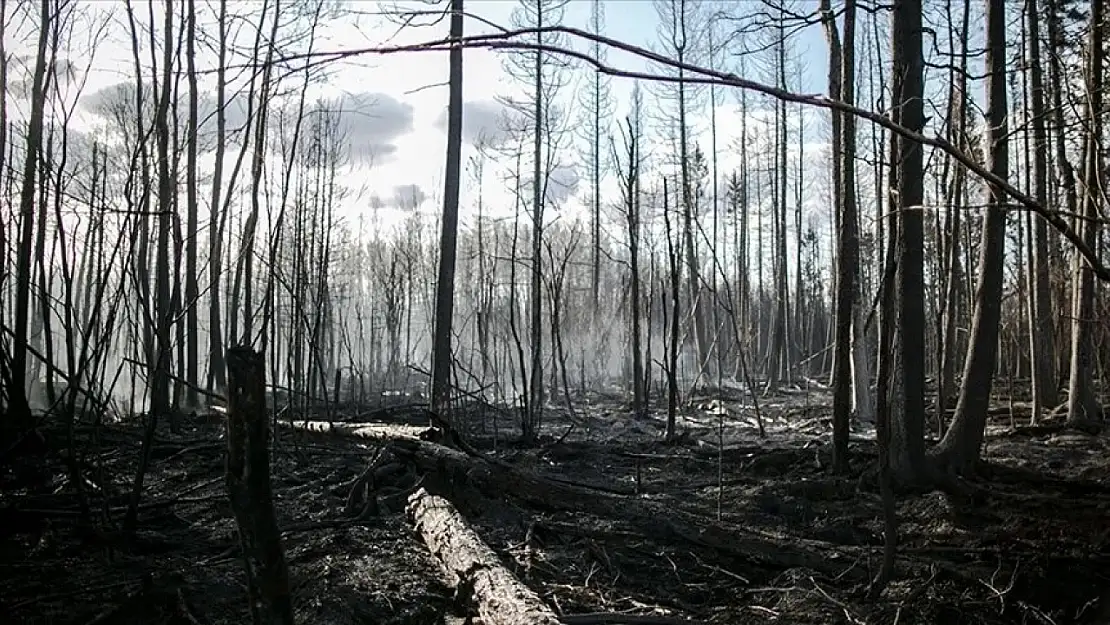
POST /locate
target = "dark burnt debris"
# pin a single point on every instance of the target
(606, 522)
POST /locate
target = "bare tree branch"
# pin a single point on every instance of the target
(507, 41)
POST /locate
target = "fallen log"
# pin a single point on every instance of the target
(367, 431)
(500, 597)
(456, 473)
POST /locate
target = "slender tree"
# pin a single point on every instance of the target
(540, 70)
(597, 110)
(674, 253)
(20, 408)
(847, 256)
(861, 358)
(960, 447)
(907, 442)
(445, 285)
(629, 179)
(166, 187)
(1041, 331)
(192, 290)
(1082, 403)
(216, 216)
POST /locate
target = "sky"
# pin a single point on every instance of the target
(397, 103)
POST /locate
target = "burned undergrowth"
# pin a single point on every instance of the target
(720, 527)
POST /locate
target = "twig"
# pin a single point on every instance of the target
(713, 567)
(1000, 594)
(69, 594)
(852, 618)
(618, 618)
(184, 610)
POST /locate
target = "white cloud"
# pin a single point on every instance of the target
(483, 122)
(408, 197)
(369, 124)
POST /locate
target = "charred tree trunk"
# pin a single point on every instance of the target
(535, 383)
(959, 449)
(907, 449)
(673, 256)
(952, 297)
(1041, 330)
(216, 378)
(861, 354)
(192, 291)
(1082, 402)
(248, 487)
(630, 183)
(445, 286)
(17, 398)
(845, 257)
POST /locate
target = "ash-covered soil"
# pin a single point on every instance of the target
(1030, 544)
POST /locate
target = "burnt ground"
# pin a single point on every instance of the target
(1031, 546)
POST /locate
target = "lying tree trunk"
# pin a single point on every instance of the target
(500, 597)
(456, 473)
(368, 431)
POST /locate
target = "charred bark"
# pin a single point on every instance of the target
(248, 487)
(959, 450)
(500, 597)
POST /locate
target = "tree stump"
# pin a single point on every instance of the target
(248, 487)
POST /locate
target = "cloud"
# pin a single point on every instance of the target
(369, 124)
(365, 125)
(21, 77)
(118, 98)
(483, 121)
(562, 184)
(117, 103)
(408, 197)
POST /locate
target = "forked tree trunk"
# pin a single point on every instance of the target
(778, 361)
(959, 449)
(1082, 402)
(629, 187)
(953, 295)
(1056, 77)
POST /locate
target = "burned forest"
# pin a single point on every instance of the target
(530, 312)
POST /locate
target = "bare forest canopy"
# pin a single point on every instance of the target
(208, 197)
(741, 285)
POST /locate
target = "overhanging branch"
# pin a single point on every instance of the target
(509, 40)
